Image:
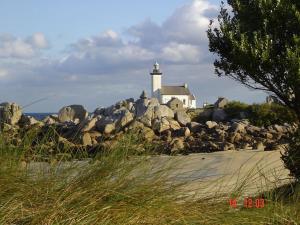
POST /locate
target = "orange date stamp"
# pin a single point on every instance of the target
(248, 203)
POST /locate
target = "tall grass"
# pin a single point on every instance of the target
(117, 187)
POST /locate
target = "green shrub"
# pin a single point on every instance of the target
(234, 108)
(268, 114)
(291, 156)
(202, 115)
(261, 114)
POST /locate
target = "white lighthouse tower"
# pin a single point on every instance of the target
(156, 81)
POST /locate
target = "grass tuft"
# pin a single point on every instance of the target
(118, 186)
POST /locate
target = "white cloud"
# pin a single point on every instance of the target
(181, 53)
(38, 40)
(103, 53)
(189, 23)
(11, 47)
(3, 73)
(104, 68)
(181, 39)
(14, 47)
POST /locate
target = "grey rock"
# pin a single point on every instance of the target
(253, 130)
(246, 146)
(99, 111)
(128, 100)
(136, 125)
(143, 95)
(71, 113)
(162, 111)
(228, 146)
(259, 146)
(182, 117)
(219, 115)
(221, 102)
(183, 132)
(234, 137)
(161, 125)
(146, 121)
(279, 129)
(238, 127)
(177, 145)
(10, 113)
(125, 119)
(86, 140)
(130, 107)
(211, 124)
(29, 121)
(95, 136)
(148, 134)
(89, 124)
(213, 146)
(100, 124)
(109, 128)
(49, 120)
(153, 102)
(266, 135)
(195, 127)
(141, 107)
(147, 117)
(174, 125)
(175, 104)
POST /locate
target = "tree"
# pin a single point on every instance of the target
(257, 43)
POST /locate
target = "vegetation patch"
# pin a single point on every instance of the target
(261, 114)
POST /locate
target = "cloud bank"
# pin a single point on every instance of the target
(107, 67)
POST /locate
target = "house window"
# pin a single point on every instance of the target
(184, 101)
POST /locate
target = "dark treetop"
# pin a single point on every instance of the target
(258, 45)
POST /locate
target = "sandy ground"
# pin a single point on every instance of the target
(209, 174)
(244, 172)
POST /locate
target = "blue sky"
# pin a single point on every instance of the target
(63, 22)
(97, 52)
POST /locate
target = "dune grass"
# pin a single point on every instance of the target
(118, 187)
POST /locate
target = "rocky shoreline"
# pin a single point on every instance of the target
(167, 126)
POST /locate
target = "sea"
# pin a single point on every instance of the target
(40, 116)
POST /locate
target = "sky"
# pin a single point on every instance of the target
(95, 53)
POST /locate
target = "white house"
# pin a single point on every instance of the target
(166, 93)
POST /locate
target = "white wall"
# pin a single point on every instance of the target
(193, 104)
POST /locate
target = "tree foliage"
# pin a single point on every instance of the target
(291, 156)
(258, 44)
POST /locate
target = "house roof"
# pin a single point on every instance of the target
(174, 90)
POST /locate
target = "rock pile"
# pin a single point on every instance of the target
(172, 129)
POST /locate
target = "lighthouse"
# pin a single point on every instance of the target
(156, 81)
(164, 93)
